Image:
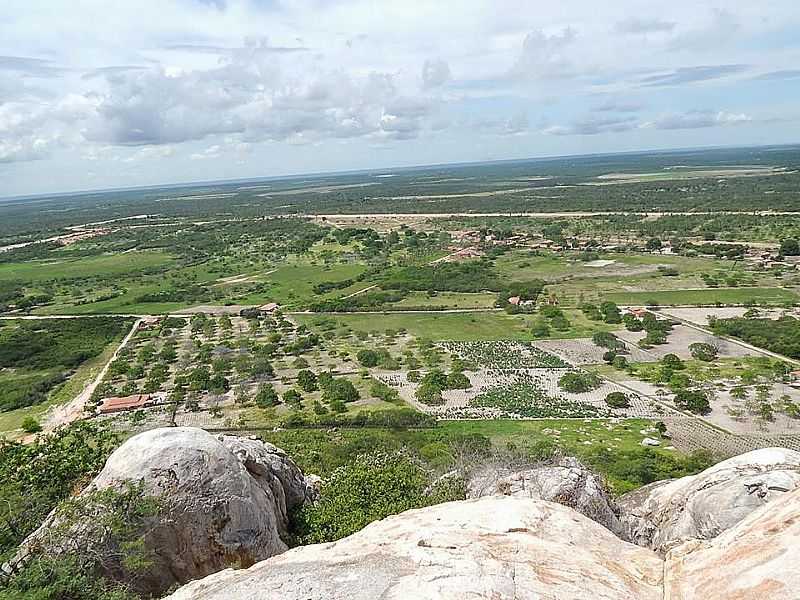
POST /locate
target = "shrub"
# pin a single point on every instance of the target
(617, 400)
(579, 381)
(31, 425)
(370, 487)
(620, 362)
(266, 396)
(704, 352)
(430, 394)
(340, 390)
(368, 358)
(307, 380)
(693, 400)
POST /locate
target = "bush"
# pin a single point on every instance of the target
(620, 362)
(704, 352)
(266, 396)
(370, 487)
(579, 381)
(367, 358)
(31, 425)
(430, 394)
(340, 391)
(307, 380)
(458, 381)
(692, 400)
(617, 400)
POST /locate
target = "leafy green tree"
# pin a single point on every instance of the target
(617, 400)
(367, 358)
(307, 380)
(31, 425)
(703, 351)
(266, 396)
(790, 247)
(694, 401)
(340, 390)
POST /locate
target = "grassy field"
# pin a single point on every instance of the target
(492, 325)
(92, 266)
(706, 296)
(447, 300)
(521, 265)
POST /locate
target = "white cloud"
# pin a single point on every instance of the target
(435, 73)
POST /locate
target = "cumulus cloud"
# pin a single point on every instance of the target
(544, 55)
(435, 73)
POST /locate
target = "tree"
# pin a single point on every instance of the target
(340, 390)
(704, 352)
(694, 401)
(653, 244)
(307, 380)
(673, 362)
(578, 382)
(617, 400)
(31, 425)
(266, 396)
(540, 329)
(790, 247)
(367, 358)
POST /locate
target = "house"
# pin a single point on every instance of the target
(515, 300)
(125, 403)
(269, 308)
(637, 312)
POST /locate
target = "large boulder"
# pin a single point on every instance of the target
(498, 547)
(226, 500)
(755, 560)
(665, 514)
(564, 480)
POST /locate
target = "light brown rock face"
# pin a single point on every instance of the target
(565, 481)
(498, 548)
(228, 499)
(758, 559)
(665, 514)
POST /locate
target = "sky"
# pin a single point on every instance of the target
(115, 93)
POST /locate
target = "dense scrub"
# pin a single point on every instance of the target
(781, 335)
(42, 353)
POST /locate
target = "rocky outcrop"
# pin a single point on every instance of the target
(565, 481)
(226, 499)
(510, 548)
(665, 514)
(499, 548)
(757, 559)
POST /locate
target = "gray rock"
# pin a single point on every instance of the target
(565, 481)
(498, 548)
(664, 514)
(228, 499)
(754, 560)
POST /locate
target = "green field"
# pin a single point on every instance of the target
(490, 325)
(705, 296)
(447, 300)
(91, 266)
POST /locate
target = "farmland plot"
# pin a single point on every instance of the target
(504, 355)
(525, 394)
(681, 337)
(585, 352)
